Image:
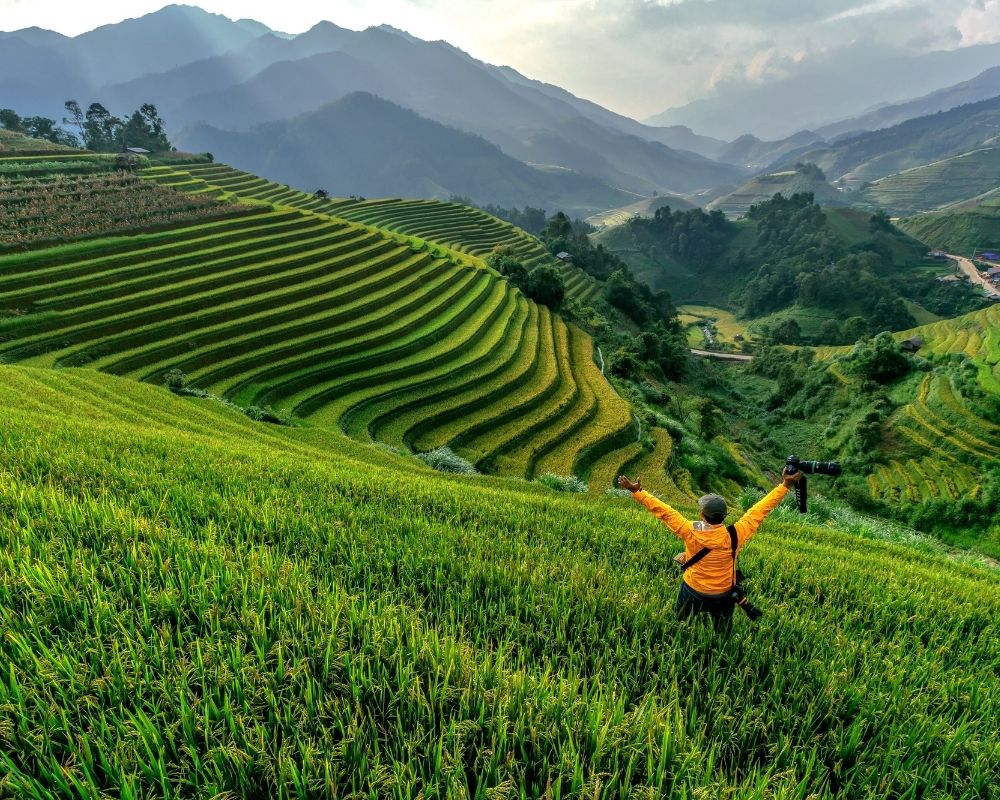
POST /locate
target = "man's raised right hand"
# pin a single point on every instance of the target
(625, 483)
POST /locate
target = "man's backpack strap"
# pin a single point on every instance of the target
(734, 540)
(695, 558)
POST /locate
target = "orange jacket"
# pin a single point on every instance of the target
(715, 573)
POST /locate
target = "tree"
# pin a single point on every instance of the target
(45, 128)
(830, 332)
(101, 130)
(10, 120)
(879, 359)
(880, 222)
(855, 328)
(545, 286)
(787, 331)
(145, 129)
(75, 115)
(712, 421)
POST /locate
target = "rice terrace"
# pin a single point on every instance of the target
(319, 464)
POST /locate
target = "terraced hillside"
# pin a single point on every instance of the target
(14, 143)
(348, 325)
(455, 226)
(196, 605)
(939, 184)
(764, 187)
(950, 429)
(959, 230)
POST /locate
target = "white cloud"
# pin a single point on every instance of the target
(876, 7)
(980, 23)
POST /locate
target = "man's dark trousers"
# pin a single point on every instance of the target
(690, 602)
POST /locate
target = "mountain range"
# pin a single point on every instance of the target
(236, 76)
(381, 149)
(842, 84)
(247, 93)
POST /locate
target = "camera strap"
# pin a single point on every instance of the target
(733, 543)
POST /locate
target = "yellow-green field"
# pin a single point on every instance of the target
(725, 324)
(196, 605)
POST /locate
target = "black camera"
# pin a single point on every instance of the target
(793, 465)
(740, 597)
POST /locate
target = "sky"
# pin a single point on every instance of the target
(637, 57)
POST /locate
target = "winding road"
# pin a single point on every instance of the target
(975, 276)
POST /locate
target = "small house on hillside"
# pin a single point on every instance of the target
(565, 257)
(937, 255)
(912, 344)
(948, 279)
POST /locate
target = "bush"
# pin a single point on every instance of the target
(564, 483)
(263, 414)
(444, 459)
(175, 380)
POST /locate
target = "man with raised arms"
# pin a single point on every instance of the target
(710, 581)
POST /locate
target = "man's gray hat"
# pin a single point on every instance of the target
(713, 507)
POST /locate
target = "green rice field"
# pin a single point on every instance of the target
(197, 605)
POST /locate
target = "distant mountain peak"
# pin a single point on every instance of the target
(397, 31)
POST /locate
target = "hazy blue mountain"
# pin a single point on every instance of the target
(984, 86)
(36, 78)
(868, 156)
(533, 122)
(284, 89)
(202, 68)
(364, 145)
(750, 152)
(40, 69)
(678, 137)
(168, 38)
(827, 89)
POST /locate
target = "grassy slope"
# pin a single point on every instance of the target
(938, 184)
(714, 286)
(342, 322)
(957, 231)
(937, 441)
(453, 227)
(764, 187)
(12, 142)
(643, 208)
(195, 604)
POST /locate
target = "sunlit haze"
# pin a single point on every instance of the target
(634, 56)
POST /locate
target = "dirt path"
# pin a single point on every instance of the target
(720, 356)
(974, 275)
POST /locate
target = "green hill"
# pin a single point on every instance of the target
(454, 226)
(643, 208)
(865, 157)
(939, 429)
(195, 604)
(788, 259)
(352, 326)
(789, 182)
(957, 231)
(939, 184)
(14, 143)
